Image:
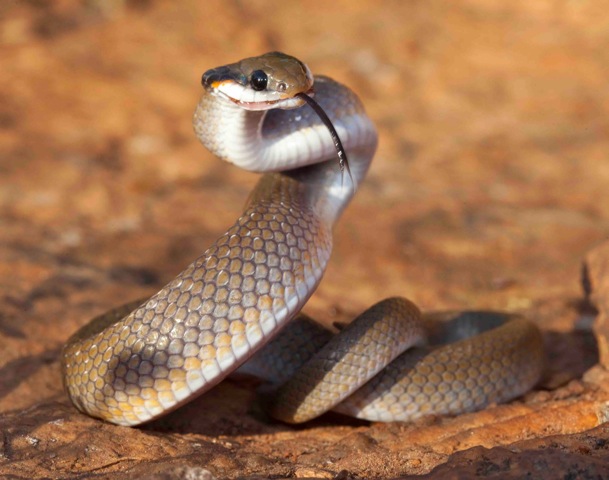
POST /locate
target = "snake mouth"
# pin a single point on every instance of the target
(273, 80)
(256, 101)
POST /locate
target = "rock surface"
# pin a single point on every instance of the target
(596, 283)
(488, 190)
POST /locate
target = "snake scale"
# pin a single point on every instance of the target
(140, 361)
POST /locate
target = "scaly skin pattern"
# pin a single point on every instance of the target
(474, 359)
(492, 367)
(349, 360)
(213, 315)
(140, 361)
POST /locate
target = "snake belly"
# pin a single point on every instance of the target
(138, 362)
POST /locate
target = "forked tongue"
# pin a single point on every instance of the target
(343, 162)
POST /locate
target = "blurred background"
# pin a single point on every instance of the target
(490, 184)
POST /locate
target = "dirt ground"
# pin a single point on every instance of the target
(489, 189)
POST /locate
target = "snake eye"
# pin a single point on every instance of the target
(258, 80)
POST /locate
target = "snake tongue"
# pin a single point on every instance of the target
(343, 162)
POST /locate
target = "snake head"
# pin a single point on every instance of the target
(272, 80)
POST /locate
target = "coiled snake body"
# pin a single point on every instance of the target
(142, 360)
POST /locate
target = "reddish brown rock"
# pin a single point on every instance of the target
(488, 190)
(596, 281)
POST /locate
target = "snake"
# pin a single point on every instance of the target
(236, 308)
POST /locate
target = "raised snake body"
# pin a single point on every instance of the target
(140, 361)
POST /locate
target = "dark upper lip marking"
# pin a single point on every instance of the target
(221, 74)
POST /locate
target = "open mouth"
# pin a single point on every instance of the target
(285, 103)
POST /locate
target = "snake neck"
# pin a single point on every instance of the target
(294, 142)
